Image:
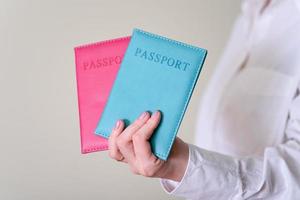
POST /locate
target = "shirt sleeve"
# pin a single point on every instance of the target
(213, 176)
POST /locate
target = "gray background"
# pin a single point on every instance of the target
(39, 146)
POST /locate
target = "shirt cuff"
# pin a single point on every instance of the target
(170, 186)
(208, 175)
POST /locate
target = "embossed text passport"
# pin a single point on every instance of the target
(156, 73)
(97, 65)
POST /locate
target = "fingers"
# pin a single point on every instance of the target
(124, 141)
(114, 151)
(131, 145)
(141, 143)
(147, 130)
(148, 164)
(136, 125)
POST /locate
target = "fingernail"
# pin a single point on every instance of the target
(118, 124)
(143, 115)
(156, 113)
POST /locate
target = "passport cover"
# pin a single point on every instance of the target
(97, 65)
(156, 73)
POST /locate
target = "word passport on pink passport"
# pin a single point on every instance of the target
(97, 65)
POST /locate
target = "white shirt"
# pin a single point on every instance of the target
(248, 128)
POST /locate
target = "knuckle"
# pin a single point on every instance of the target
(134, 171)
(147, 170)
(121, 141)
(120, 158)
(136, 124)
(114, 133)
(136, 137)
(111, 137)
(152, 123)
(112, 154)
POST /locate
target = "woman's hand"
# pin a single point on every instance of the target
(131, 146)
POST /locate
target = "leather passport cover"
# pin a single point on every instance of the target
(97, 65)
(156, 73)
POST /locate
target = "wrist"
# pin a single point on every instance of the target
(175, 166)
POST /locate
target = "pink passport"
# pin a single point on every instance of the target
(97, 65)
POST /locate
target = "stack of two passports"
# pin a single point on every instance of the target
(121, 78)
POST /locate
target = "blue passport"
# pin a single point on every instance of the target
(157, 73)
